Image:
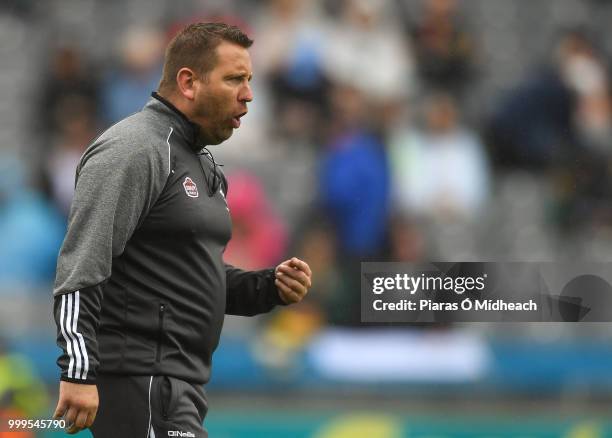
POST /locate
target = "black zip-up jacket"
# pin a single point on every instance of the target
(141, 287)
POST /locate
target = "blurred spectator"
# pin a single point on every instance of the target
(128, 86)
(332, 298)
(22, 393)
(317, 244)
(259, 236)
(69, 81)
(444, 47)
(354, 180)
(442, 170)
(31, 230)
(561, 120)
(534, 125)
(354, 191)
(583, 182)
(76, 129)
(366, 50)
(584, 71)
(531, 128)
(288, 53)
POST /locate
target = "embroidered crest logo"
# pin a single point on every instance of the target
(190, 188)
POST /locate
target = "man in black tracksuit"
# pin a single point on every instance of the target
(141, 288)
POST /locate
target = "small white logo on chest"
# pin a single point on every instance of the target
(190, 188)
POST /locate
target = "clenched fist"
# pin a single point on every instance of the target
(293, 279)
(77, 404)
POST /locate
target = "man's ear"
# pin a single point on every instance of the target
(186, 83)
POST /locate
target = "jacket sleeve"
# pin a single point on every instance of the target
(250, 293)
(116, 185)
(77, 315)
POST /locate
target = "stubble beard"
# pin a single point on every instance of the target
(206, 109)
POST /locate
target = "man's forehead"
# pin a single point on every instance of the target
(230, 55)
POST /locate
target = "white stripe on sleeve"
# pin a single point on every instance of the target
(68, 341)
(80, 336)
(69, 328)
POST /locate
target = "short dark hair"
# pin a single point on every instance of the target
(194, 47)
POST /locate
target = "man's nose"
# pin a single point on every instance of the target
(246, 95)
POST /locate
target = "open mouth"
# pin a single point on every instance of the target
(236, 120)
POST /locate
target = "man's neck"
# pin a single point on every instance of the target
(179, 106)
(175, 102)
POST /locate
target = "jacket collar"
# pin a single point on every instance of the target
(184, 127)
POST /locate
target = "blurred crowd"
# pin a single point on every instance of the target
(373, 136)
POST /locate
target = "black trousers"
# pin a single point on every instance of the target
(149, 407)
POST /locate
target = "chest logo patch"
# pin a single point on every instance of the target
(190, 188)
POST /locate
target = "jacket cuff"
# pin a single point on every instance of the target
(88, 381)
(273, 291)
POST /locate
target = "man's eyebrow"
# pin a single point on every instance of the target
(249, 76)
